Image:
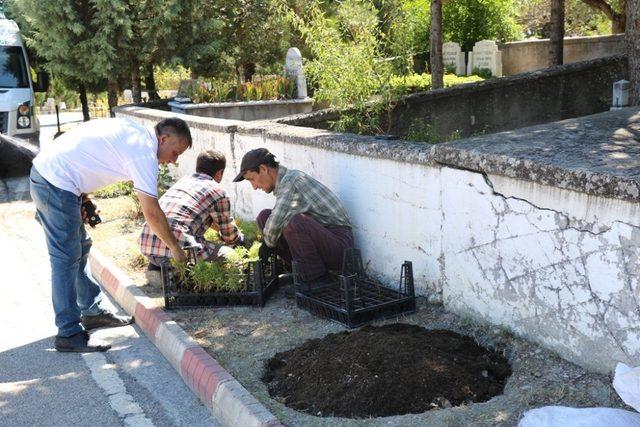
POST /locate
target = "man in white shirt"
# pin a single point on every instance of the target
(87, 157)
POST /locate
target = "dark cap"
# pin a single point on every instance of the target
(252, 159)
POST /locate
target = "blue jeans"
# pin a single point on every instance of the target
(74, 292)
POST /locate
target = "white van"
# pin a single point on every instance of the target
(17, 103)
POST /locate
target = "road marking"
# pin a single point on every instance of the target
(106, 376)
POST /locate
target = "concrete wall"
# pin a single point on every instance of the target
(246, 111)
(555, 265)
(502, 104)
(529, 55)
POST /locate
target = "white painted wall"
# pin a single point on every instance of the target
(556, 266)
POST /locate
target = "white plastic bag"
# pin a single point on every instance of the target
(627, 384)
(562, 416)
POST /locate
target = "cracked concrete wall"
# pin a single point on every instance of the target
(557, 266)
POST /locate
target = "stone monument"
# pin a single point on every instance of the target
(452, 55)
(485, 55)
(293, 69)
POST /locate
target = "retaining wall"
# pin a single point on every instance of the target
(496, 105)
(536, 230)
(528, 55)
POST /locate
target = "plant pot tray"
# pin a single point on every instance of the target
(353, 300)
(261, 280)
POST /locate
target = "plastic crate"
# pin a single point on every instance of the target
(261, 280)
(352, 299)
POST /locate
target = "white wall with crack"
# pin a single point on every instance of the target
(557, 266)
(567, 281)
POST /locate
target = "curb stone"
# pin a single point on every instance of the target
(225, 397)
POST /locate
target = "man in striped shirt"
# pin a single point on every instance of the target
(192, 205)
(308, 224)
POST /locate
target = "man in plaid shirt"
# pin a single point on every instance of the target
(193, 205)
(308, 224)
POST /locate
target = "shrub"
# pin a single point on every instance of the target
(122, 188)
(421, 131)
(422, 82)
(214, 90)
(484, 73)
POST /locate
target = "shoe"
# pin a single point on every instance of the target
(78, 343)
(105, 320)
(153, 267)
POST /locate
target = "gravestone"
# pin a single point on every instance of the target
(293, 69)
(485, 55)
(127, 94)
(452, 55)
(50, 105)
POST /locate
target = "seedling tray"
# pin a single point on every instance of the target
(353, 300)
(261, 280)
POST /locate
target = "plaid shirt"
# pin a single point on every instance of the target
(296, 192)
(191, 205)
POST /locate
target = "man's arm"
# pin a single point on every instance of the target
(158, 223)
(223, 222)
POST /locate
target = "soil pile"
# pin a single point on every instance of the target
(387, 370)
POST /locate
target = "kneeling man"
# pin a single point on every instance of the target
(192, 205)
(308, 224)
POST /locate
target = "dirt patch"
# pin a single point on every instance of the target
(387, 370)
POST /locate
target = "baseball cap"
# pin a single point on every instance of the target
(251, 160)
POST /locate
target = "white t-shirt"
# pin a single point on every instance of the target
(101, 152)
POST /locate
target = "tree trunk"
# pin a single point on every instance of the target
(556, 46)
(435, 37)
(112, 96)
(135, 84)
(150, 83)
(82, 91)
(617, 19)
(249, 69)
(633, 49)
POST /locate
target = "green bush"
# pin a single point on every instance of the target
(215, 90)
(485, 73)
(402, 85)
(420, 131)
(122, 188)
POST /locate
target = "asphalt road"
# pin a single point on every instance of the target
(131, 384)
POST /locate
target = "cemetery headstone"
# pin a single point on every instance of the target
(453, 57)
(293, 68)
(485, 55)
(127, 94)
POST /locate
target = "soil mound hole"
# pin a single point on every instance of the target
(385, 370)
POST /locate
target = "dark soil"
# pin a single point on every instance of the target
(387, 370)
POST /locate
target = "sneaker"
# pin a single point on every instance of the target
(105, 320)
(78, 343)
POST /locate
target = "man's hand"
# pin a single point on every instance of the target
(179, 255)
(265, 252)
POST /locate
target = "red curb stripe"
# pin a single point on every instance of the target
(149, 319)
(109, 281)
(202, 373)
(96, 268)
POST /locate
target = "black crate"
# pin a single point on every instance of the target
(352, 299)
(261, 281)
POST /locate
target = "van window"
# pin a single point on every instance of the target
(13, 68)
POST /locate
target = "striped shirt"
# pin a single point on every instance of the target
(192, 205)
(296, 192)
